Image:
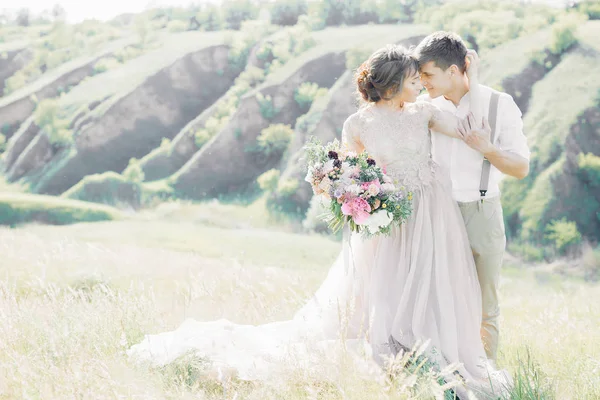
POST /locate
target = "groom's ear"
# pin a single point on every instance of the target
(454, 70)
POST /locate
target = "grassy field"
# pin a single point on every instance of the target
(73, 298)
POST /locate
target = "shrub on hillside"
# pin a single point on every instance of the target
(267, 108)
(16, 209)
(591, 263)
(287, 12)
(104, 64)
(46, 116)
(235, 12)
(275, 139)
(209, 17)
(356, 56)
(15, 82)
(268, 181)
(286, 45)
(563, 234)
(313, 222)
(589, 169)
(350, 12)
(107, 188)
(241, 43)
(563, 34)
(134, 172)
(280, 201)
(306, 93)
(177, 26)
(591, 8)
(527, 251)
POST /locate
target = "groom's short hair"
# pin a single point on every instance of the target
(444, 49)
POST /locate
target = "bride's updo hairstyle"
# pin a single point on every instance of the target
(381, 77)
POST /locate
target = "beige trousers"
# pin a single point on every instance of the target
(485, 228)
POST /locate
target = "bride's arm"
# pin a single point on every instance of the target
(351, 134)
(447, 123)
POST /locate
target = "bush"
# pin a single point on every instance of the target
(107, 188)
(281, 202)
(18, 209)
(268, 181)
(286, 45)
(142, 28)
(349, 12)
(527, 251)
(563, 234)
(591, 8)
(287, 12)
(237, 11)
(127, 53)
(241, 43)
(563, 34)
(306, 93)
(209, 18)
(267, 109)
(201, 137)
(134, 172)
(389, 11)
(46, 116)
(591, 263)
(589, 169)
(275, 139)
(2, 143)
(15, 82)
(356, 56)
(313, 222)
(104, 64)
(177, 26)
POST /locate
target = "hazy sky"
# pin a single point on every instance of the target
(78, 10)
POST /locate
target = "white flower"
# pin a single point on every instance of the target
(387, 179)
(388, 187)
(309, 176)
(373, 190)
(328, 167)
(325, 184)
(379, 219)
(354, 189)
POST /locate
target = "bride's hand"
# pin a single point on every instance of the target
(476, 135)
(472, 62)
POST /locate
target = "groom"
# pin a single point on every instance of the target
(477, 164)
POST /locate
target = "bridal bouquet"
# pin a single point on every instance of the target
(360, 193)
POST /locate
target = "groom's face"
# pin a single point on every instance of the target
(437, 81)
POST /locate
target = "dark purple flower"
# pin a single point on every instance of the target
(332, 155)
(337, 163)
(370, 161)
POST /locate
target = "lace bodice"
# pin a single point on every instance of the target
(399, 141)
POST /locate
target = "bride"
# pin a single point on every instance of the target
(389, 292)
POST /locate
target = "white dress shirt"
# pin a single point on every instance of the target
(465, 164)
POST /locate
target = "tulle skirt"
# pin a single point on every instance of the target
(417, 285)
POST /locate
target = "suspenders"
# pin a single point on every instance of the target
(485, 171)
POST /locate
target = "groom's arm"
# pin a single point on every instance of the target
(511, 154)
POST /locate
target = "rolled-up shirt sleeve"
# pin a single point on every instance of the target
(510, 136)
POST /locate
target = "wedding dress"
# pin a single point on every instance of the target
(382, 294)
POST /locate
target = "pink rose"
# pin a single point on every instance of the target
(358, 209)
(365, 186)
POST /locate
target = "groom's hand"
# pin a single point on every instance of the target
(477, 136)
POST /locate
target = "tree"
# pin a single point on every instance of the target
(237, 11)
(59, 13)
(287, 12)
(23, 16)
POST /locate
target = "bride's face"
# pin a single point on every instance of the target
(411, 88)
